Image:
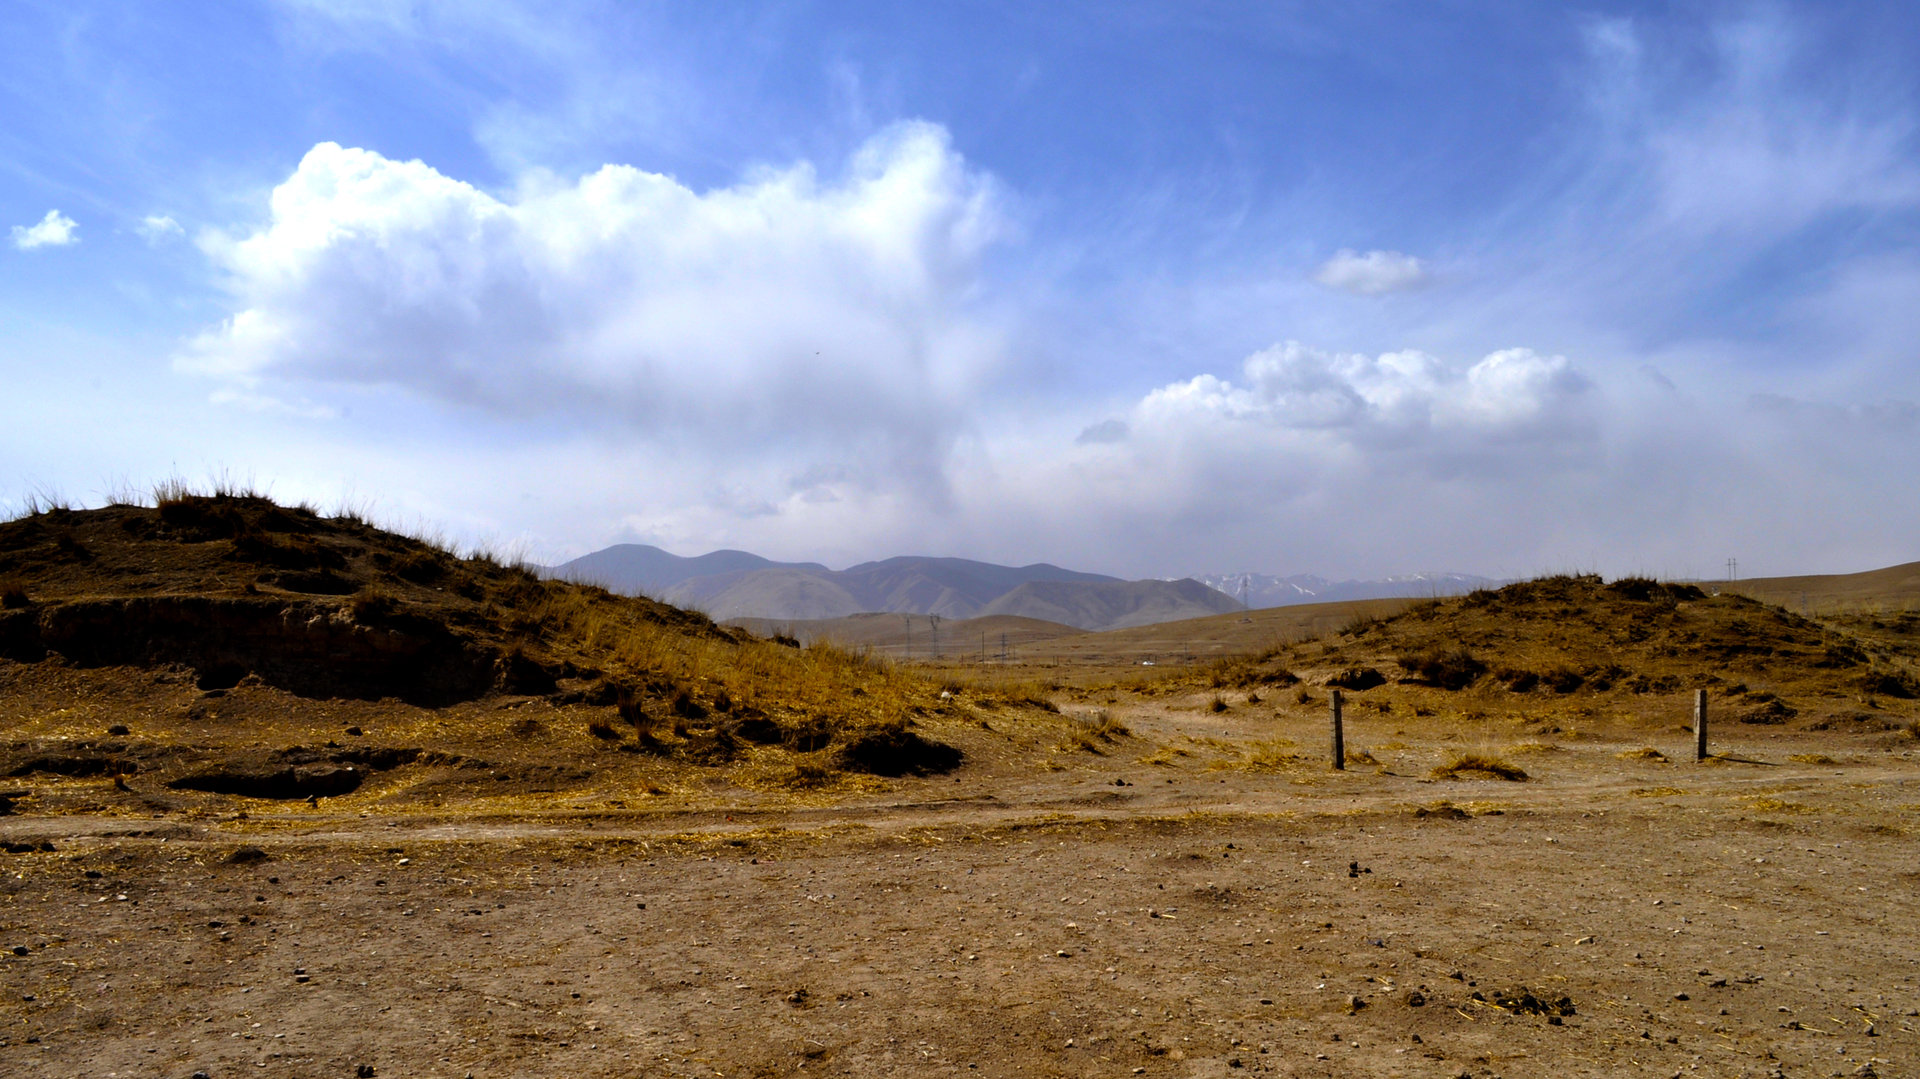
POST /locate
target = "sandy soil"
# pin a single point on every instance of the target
(1173, 905)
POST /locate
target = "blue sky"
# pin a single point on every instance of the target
(1150, 289)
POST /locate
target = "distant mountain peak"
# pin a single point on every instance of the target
(1269, 590)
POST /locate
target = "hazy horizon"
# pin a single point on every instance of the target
(1353, 292)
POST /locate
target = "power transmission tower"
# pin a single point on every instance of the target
(1733, 569)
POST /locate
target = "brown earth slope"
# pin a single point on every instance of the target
(917, 636)
(230, 646)
(1895, 588)
(1563, 649)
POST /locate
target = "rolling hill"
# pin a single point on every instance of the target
(230, 646)
(1892, 588)
(1107, 605)
(919, 637)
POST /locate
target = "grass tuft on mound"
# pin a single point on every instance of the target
(1479, 766)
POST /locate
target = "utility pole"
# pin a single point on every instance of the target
(1733, 569)
(909, 620)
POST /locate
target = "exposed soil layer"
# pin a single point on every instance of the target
(302, 647)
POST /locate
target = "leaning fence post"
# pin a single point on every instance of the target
(1339, 736)
(1699, 724)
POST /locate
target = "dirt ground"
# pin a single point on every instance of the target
(1183, 900)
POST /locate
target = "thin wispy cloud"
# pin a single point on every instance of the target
(159, 228)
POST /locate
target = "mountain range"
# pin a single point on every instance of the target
(731, 585)
(735, 584)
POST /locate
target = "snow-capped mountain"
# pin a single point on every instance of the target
(1268, 590)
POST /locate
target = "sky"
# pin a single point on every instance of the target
(1350, 289)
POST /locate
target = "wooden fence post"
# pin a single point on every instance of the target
(1700, 725)
(1339, 736)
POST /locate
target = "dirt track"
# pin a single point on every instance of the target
(1720, 919)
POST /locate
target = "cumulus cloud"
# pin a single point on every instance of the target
(54, 230)
(1372, 274)
(789, 305)
(1510, 395)
(159, 228)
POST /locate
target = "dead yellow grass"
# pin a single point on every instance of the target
(1779, 805)
(1479, 766)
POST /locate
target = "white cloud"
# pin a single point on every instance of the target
(1513, 394)
(159, 228)
(54, 230)
(1372, 274)
(786, 308)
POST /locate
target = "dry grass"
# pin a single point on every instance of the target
(1778, 805)
(1644, 753)
(1277, 755)
(1095, 733)
(1479, 766)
